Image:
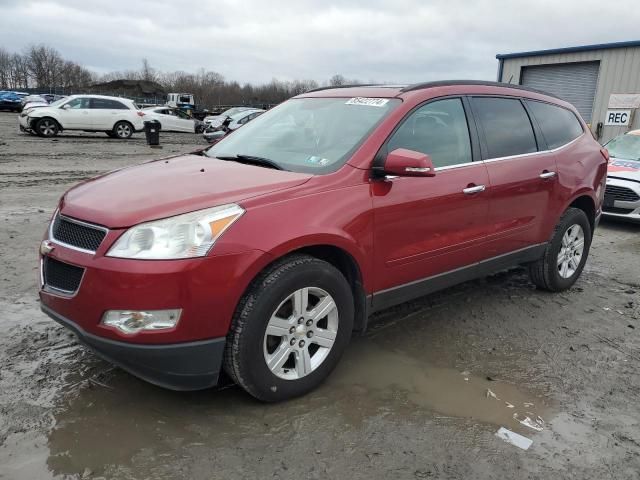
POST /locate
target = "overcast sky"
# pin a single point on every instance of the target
(256, 40)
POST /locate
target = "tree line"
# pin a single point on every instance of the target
(43, 67)
(40, 66)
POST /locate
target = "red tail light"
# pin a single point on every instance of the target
(605, 154)
(140, 114)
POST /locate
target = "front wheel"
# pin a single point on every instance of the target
(47, 127)
(123, 130)
(290, 329)
(566, 253)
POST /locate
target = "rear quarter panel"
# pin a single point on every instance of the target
(582, 171)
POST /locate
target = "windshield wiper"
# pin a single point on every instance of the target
(251, 160)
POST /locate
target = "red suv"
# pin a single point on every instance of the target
(261, 255)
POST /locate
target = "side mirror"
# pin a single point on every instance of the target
(66, 106)
(409, 163)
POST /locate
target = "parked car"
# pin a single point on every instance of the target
(216, 120)
(262, 254)
(174, 120)
(11, 101)
(115, 116)
(33, 101)
(214, 134)
(622, 195)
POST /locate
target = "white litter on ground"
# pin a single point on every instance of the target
(514, 438)
(537, 424)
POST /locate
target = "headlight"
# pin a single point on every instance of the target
(183, 236)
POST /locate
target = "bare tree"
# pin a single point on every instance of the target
(147, 73)
(337, 80)
(44, 64)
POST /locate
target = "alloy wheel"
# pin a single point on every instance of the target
(47, 128)
(571, 251)
(301, 333)
(123, 130)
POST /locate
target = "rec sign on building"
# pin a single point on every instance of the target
(619, 118)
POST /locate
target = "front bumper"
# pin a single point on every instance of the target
(179, 366)
(622, 208)
(23, 120)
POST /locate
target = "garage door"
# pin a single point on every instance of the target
(574, 82)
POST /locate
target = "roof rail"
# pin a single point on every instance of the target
(319, 89)
(448, 83)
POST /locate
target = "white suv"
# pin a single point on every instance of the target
(117, 117)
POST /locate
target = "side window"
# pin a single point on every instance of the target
(559, 126)
(106, 104)
(506, 125)
(438, 129)
(79, 103)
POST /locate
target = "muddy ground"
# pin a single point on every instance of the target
(409, 400)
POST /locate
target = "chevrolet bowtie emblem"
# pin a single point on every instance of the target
(46, 247)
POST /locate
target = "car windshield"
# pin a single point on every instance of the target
(625, 147)
(59, 102)
(310, 135)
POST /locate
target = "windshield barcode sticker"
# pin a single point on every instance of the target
(369, 102)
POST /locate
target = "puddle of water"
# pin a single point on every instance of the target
(103, 428)
(447, 391)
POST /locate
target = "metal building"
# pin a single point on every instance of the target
(602, 81)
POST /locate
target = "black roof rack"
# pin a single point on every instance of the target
(448, 83)
(319, 89)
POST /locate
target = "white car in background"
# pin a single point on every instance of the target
(115, 116)
(33, 101)
(173, 120)
(216, 120)
(214, 133)
(622, 195)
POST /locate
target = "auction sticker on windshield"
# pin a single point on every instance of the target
(369, 102)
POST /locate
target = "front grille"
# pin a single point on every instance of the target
(622, 211)
(623, 194)
(77, 234)
(61, 276)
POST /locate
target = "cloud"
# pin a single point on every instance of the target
(254, 41)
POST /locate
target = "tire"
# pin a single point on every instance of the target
(123, 130)
(274, 294)
(111, 134)
(566, 253)
(47, 127)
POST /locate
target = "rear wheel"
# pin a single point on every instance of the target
(47, 127)
(290, 329)
(123, 130)
(566, 253)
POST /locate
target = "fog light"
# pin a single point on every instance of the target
(134, 321)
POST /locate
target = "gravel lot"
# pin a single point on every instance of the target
(421, 395)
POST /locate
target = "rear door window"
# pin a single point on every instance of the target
(506, 126)
(106, 104)
(438, 129)
(559, 126)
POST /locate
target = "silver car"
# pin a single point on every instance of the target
(622, 195)
(216, 120)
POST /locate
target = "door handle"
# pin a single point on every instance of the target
(474, 189)
(546, 174)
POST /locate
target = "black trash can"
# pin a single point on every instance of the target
(152, 132)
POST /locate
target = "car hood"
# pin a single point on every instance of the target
(627, 169)
(167, 187)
